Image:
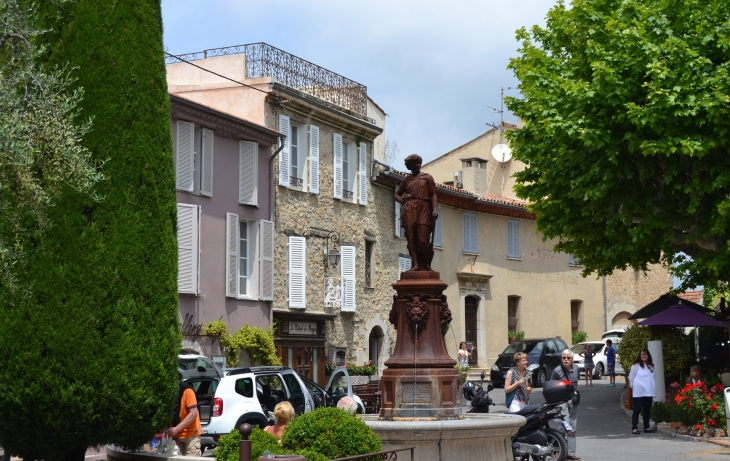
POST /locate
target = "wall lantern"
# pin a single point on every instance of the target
(330, 253)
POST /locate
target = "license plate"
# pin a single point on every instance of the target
(504, 375)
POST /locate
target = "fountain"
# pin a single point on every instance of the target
(420, 388)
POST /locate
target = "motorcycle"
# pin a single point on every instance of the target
(479, 398)
(537, 439)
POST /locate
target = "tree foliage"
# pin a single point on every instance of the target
(676, 348)
(627, 133)
(90, 348)
(257, 342)
(40, 136)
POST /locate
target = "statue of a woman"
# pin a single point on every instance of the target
(419, 212)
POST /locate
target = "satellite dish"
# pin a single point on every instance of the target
(501, 153)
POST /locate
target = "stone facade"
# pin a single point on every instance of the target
(629, 290)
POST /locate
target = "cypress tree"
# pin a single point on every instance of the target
(89, 351)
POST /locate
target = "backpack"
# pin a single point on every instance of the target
(181, 391)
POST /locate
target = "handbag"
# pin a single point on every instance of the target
(510, 397)
(576, 398)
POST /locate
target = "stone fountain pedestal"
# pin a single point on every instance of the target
(420, 380)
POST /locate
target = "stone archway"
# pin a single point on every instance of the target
(621, 320)
(380, 326)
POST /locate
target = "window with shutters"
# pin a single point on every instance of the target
(404, 264)
(194, 158)
(347, 273)
(297, 272)
(298, 157)
(437, 241)
(513, 239)
(248, 173)
(301, 142)
(188, 248)
(350, 170)
(250, 256)
(573, 261)
(575, 311)
(513, 305)
(471, 244)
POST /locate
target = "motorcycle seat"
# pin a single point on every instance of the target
(525, 411)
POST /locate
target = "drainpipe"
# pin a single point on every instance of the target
(273, 212)
(605, 306)
(372, 167)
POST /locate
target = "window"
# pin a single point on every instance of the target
(250, 258)
(188, 244)
(573, 261)
(404, 264)
(194, 159)
(347, 272)
(513, 239)
(575, 315)
(437, 230)
(369, 255)
(471, 245)
(248, 173)
(293, 156)
(346, 186)
(244, 387)
(513, 304)
(350, 170)
(297, 272)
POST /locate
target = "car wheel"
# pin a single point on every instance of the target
(599, 371)
(541, 378)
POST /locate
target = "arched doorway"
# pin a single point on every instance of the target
(621, 320)
(376, 342)
(471, 304)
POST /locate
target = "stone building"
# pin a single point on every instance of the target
(224, 220)
(628, 291)
(325, 308)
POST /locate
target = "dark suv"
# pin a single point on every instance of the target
(543, 355)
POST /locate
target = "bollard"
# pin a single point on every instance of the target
(244, 446)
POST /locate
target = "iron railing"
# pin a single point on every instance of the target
(296, 182)
(264, 60)
(347, 194)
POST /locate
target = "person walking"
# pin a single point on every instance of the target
(611, 363)
(464, 354)
(185, 428)
(519, 384)
(569, 410)
(641, 380)
(588, 365)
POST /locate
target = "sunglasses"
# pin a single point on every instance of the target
(567, 358)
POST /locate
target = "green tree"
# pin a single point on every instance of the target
(89, 350)
(626, 107)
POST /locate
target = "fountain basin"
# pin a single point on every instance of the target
(476, 436)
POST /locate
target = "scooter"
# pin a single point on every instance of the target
(536, 438)
(479, 398)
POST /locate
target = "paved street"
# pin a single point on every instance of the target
(604, 430)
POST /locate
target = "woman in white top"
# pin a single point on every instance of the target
(464, 354)
(641, 379)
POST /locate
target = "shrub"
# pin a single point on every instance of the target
(331, 432)
(675, 348)
(257, 342)
(579, 337)
(260, 442)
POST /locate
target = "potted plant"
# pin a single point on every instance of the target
(463, 372)
(515, 335)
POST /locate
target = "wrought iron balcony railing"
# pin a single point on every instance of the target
(263, 60)
(347, 194)
(296, 182)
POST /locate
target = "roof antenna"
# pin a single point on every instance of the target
(501, 152)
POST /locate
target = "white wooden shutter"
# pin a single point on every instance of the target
(232, 255)
(347, 272)
(297, 272)
(437, 229)
(206, 164)
(314, 159)
(248, 173)
(398, 229)
(285, 129)
(337, 142)
(513, 239)
(188, 244)
(362, 176)
(184, 165)
(266, 255)
(404, 264)
(470, 233)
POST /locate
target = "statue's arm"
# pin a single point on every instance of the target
(434, 200)
(398, 193)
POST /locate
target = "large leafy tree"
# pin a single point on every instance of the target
(626, 106)
(89, 346)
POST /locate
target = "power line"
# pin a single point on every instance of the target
(214, 73)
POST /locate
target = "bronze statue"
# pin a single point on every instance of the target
(419, 212)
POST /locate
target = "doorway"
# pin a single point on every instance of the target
(470, 326)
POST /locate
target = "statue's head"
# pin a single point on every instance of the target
(413, 160)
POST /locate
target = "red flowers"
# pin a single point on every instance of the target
(713, 407)
(698, 427)
(711, 422)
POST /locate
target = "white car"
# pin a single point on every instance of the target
(599, 360)
(249, 395)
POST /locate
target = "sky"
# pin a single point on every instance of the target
(434, 67)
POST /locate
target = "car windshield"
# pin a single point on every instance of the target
(527, 347)
(579, 347)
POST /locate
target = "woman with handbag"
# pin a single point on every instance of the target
(641, 380)
(570, 410)
(517, 393)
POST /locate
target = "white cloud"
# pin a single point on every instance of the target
(433, 66)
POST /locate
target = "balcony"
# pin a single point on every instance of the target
(263, 60)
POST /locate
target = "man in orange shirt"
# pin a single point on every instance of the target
(187, 430)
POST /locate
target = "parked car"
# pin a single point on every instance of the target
(543, 355)
(599, 360)
(249, 395)
(614, 335)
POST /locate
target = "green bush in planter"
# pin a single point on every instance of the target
(260, 442)
(331, 432)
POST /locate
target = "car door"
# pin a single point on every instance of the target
(296, 394)
(338, 386)
(319, 396)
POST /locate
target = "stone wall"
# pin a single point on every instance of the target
(629, 290)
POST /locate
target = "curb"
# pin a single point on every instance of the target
(722, 441)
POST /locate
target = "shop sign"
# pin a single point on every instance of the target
(333, 292)
(302, 328)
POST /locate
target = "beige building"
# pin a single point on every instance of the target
(324, 201)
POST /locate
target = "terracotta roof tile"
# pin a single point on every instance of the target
(694, 296)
